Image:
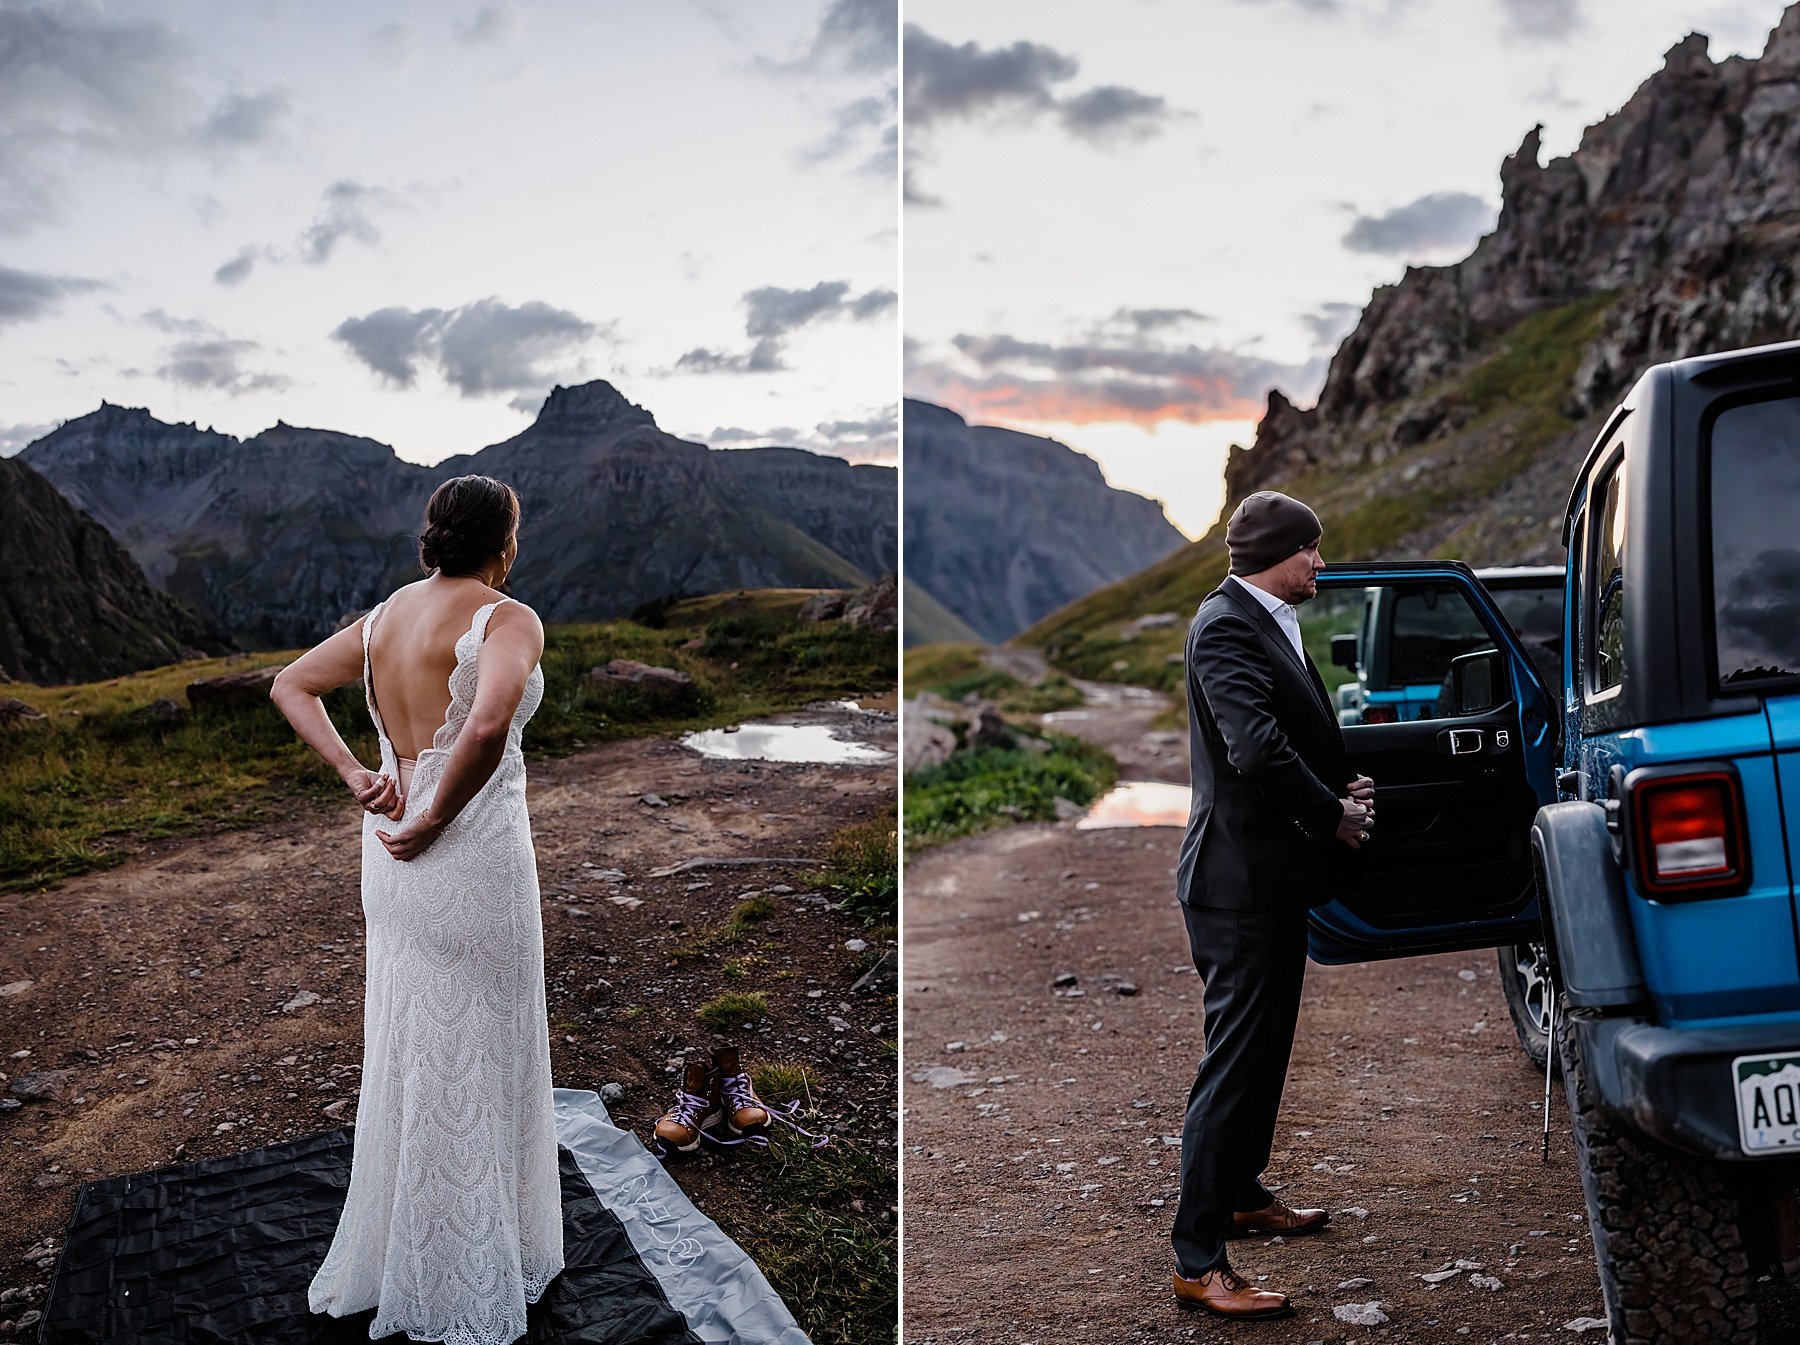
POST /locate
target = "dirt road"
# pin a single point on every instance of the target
(206, 997)
(1043, 1117)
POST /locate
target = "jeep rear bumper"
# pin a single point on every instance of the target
(1676, 1084)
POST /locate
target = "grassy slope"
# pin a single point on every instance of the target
(928, 621)
(99, 777)
(1512, 396)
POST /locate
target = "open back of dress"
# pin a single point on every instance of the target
(453, 1220)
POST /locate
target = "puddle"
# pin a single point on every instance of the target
(1140, 803)
(1066, 716)
(783, 742)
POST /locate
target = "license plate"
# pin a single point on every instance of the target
(1768, 1102)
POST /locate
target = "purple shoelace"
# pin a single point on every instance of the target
(739, 1093)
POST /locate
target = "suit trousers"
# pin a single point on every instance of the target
(1251, 964)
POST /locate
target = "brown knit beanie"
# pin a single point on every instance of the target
(1266, 529)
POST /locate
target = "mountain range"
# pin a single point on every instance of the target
(1454, 416)
(1004, 527)
(75, 606)
(281, 537)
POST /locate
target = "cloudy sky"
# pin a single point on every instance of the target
(1127, 222)
(410, 220)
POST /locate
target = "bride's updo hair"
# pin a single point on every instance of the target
(468, 521)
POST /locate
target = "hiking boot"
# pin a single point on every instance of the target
(695, 1108)
(736, 1099)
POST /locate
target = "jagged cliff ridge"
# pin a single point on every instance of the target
(280, 537)
(1002, 527)
(75, 607)
(1454, 417)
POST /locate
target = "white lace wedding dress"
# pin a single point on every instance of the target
(453, 1220)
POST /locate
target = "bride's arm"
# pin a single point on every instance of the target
(332, 663)
(514, 643)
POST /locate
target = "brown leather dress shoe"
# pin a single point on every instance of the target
(1225, 1293)
(1278, 1218)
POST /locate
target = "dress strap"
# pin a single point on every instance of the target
(482, 616)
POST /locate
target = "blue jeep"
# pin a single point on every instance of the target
(1621, 834)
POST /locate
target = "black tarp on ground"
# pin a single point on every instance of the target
(221, 1252)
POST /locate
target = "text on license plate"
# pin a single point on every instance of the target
(1768, 1102)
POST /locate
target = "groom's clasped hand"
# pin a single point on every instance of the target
(1359, 813)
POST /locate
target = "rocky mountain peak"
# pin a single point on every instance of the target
(593, 405)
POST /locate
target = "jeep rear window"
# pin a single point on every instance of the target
(1755, 550)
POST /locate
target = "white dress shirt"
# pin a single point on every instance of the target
(1286, 615)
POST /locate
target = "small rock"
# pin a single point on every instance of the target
(630, 671)
(30, 1319)
(300, 1000)
(956, 1046)
(838, 1024)
(1065, 980)
(224, 1126)
(1360, 1282)
(1360, 1314)
(1581, 1325)
(1355, 1212)
(1127, 988)
(855, 945)
(1465, 975)
(335, 1110)
(42, 1085)
(617, 899)
(12, 988)
(1489, 1282)
(880, 976)
(1067, 810)
(612, 1092)
(1439, 1276)
(653, 801)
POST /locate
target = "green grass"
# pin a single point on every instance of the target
(98, 778)
(993, 786)
(781, 1082)
(865, 870)
(746, 915)
(833, 1260)
(732, 1010)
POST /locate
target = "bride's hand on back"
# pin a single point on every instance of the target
(413, 839)
(376, 793)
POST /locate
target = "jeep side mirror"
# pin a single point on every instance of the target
(1476, 681)
(1343, 651)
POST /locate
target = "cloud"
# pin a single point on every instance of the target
(773, 313)
(28, 295)
(237, 270)
(1113, 111)
(1438, 222)
(480, 348)
(347, 212)
(872, 438)
(1153, 319)
(216, 364)
(15, 437)
(1542, 20)
(1330, 323)
(392, 44)
(856, 35)
(245, 119)
(488, 25)
(950, 82)
(74, 85)
(1112, 375)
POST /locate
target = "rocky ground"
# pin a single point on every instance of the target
(206, 997)
(1052, 1029)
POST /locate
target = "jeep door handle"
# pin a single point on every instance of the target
(1463, 742)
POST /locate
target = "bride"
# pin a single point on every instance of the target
(453, 1219)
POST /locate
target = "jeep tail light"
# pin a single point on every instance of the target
(1688, 834)
(1380, 714)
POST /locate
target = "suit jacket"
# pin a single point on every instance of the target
(1268, 762)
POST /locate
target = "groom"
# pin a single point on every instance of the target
(1274, 806)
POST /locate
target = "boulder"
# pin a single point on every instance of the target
(15, 713)
(629, 672)
(987, 728)
(827, 606)
(233, 690)
(877, 606)
(926, 742)
(46, 1085)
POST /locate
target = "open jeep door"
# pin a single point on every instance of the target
(1442, 708)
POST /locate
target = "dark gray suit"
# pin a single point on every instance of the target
(1269, 769)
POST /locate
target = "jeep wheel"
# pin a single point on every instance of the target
(1666, 1228)
(1525, 975)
